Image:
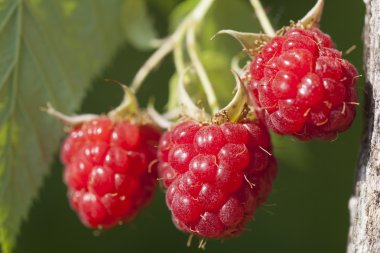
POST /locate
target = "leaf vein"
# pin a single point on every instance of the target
(8, 16)
(47, 40)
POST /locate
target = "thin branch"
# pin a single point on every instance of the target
(169, 44)
(263, 18)
(205, 81)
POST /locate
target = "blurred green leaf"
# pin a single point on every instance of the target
(180, 11)
(49, 51)
(138, 24)
(216, 54)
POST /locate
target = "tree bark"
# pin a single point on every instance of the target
(364, 205)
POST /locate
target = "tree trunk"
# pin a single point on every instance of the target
(364, 234)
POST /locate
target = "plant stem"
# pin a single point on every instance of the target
(205, 81)
(70, 121)
(263, 18)
(153, 61)
(179, 61)
(168, 45)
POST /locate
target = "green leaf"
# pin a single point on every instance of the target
(138, 25)
(179, 13)
(49, 51)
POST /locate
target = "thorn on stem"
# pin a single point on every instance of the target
(112, 81)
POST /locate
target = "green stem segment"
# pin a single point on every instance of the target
(179, 61)
(196, 15)
(263, 18)
(205, 81)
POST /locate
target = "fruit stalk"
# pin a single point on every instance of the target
(169, 44)
(263, 18)
(364, 234)
(203, 77)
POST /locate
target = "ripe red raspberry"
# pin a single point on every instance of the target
(216, 175)
(301, 85)
(106, 170)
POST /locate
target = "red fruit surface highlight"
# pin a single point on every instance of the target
(299, 82)
(106, 170)
(215, 184)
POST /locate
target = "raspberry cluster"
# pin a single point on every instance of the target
(301, 85)
(216, 175)
(106, 170)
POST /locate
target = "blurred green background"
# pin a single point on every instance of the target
(307, 211)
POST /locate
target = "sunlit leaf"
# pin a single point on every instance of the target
(49, 51)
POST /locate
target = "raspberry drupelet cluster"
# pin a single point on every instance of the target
(216, 175)
(106, 170)
(217, 169)
(301, 86)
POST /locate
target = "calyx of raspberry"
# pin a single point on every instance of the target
(254, 42)
(128, 107)
(235, 111)
(127, 110)
(313, 17)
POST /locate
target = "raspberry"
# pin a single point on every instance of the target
(106, 170)
(301, 86)
(216, 175)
